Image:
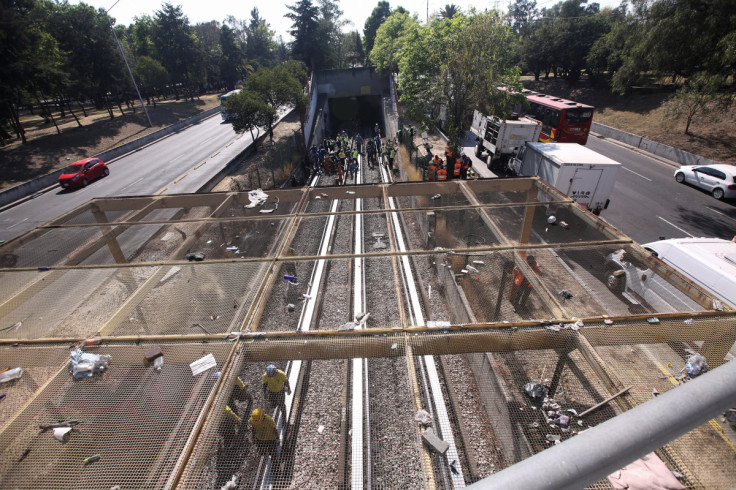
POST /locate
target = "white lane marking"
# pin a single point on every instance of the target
(719, 212)
(176, 158)
(675, 226)
(636, 173)
(19, 222)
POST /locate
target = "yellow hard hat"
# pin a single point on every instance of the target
(256, 418)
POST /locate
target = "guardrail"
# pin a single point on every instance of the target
(675, 154)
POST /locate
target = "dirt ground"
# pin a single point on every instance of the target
(272, 163)
(47, 150)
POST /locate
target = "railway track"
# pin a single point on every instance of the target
(345, 419)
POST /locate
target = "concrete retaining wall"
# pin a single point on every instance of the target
(31, 187)
(664, 151)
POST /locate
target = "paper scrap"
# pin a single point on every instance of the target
(201, 365)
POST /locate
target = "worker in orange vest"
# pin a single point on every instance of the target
(442, 174)
(520, 290)
(456, 169)
(467, 163)
(431, 171)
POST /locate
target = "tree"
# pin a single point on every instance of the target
(248, 112)
(176, 45)
(304, 15)
(390, 40)
(278, 87)
(91, 56)
(151, 76)
(699, 94)
(260, 46)
(457, 64)
(353, 49)
(380, 13)
(210, 50)
(449, 11)
(231, 61)
(521, 13)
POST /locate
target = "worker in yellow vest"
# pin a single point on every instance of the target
(264, 433)
(275, 383)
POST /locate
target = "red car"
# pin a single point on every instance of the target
(81, 173)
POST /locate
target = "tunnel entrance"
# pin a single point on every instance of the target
(354, 115)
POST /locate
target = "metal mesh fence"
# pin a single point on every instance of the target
(509, 305)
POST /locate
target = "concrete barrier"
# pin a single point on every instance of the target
(33, 186)
(670, 153)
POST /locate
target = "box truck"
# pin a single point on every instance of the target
(708, 262)
(581, 173)
(498, 140)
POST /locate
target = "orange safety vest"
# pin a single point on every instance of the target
(431, 169)
(458, 165)
(442, 174)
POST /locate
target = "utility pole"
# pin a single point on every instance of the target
(120, 46)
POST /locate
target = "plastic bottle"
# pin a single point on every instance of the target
(11, 374)
(158, 363)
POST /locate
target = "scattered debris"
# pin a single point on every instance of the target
(689, 321)
(58, 425)
(564, 225)
(152, 353)
(86, 364)
(256, 197)
(535, 391)
(566, 295)
(290, 307)
(214, 317)
(608, 321)
(201, 365)
(23, 456)
(695, 365)
(434, 442)
(291, 279)
(62, 434)
(232, 248)
(198, 257)
(655, 393)
(436, 196)
(347, 326)
(453, 467)
(717, 305)
(604, 402)
(653, 320)
(92, 459)
(438, 324)
(423, 418)
(320, 429)
(13, 327)
(11, 374)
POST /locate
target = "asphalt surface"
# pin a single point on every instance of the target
(646, 204)
(179, 163)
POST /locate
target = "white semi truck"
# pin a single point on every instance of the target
(498, 140)
(581, 173)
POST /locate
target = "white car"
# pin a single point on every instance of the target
(718, 179)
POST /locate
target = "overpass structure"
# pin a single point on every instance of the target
(465, 275)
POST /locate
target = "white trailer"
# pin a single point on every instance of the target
(497, 140)
(581, 173)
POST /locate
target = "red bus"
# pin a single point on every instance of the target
(563, 121)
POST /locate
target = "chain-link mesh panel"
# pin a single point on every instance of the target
(483, 303)
(138, 420)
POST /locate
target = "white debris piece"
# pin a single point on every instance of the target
(256, 197)
(438, 324)
(201, 365)
(423, 418)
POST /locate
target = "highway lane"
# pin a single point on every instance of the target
(180, 162)
(647, 203)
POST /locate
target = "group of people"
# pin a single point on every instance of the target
(339, 156)
(264, 432)
(438, 169)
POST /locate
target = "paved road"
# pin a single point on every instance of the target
(179, 163)
(647, 203)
